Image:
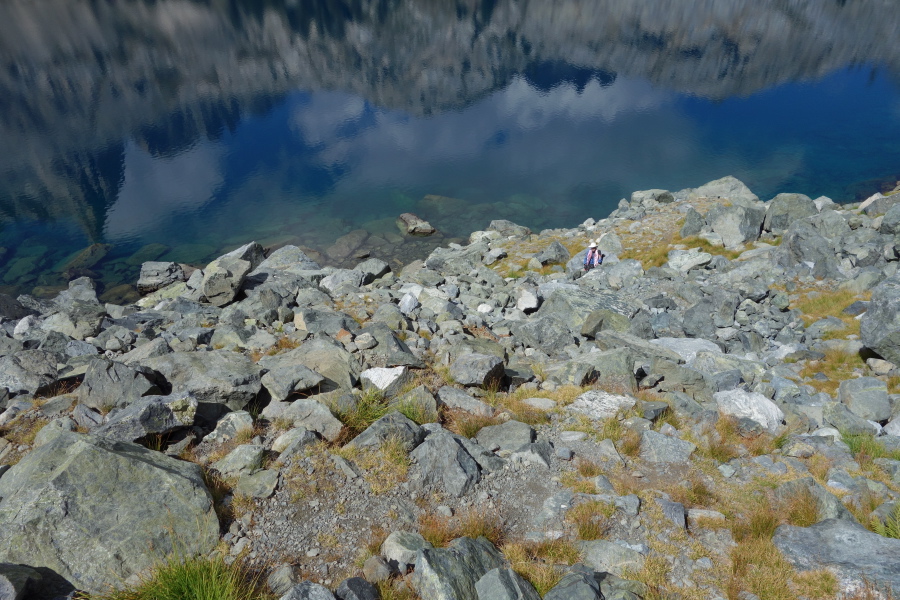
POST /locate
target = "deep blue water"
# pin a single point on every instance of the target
(148, 151)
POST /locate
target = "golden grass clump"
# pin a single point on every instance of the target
(466, 424)
(542, 564)
(439, 530)
(591, 519)
(383, 468)
(836, 366)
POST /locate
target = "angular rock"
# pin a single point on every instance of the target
(260, 485)
(504, 584)
(685, 260)
(856, 554)
(609, 557)
(308, 590)
(456, 398)
(578, 584)
(109, 384)
(400, 548)
(97, 512)
(839, 416)
(339, 368)
(750, 405)
(157, 275)
(413, 225)
(445, 462)
(508, 436)
(736, 224)
(392, 426)
(598, 405)
(477, 370)
(149, 415)
(222, 279)
(246, 459)
(784, 209)
(555, 253)
(357, 588)
(659, 448)
(314, 416)
(451, 573)
(216, 378)
(538, 453)
(228, 427)
(27, 371)
(388, 380)
(866, 397)
(420, 400)
(286, 376)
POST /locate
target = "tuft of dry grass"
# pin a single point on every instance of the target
(372, 405)
(466, 424)
(704, 246)
(384, 468)
(655, 575)
(801, 509)
(820, 584)
(440, 530)
(630, 443)
(758, 567)
(591, 519)
(395, 590)
(587, 468)
(571, 480)
(836, 366)
(542, 564)
(693, 492)
(816, 305)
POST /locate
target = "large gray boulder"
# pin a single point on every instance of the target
(508, 436)
(340, 369)
(659, 448)
(866, 397)
(572, 306)
(504, 584)
(223, 277)
(27, 371)
(727, 188)
(317, 320)
(880, 325)
(554, 254)
(445, 463)
(608, 557)
(391, 426)
(149, 415)
(97, 512)
(804, 244)
(157, 275)
(110, 384)
(839, 416)
(314, 416)
(285, 375)
(479, 370)
(784, 209)
(456, 398)
(451, 573)
(854, 553)
(741, 404)
(217, 378)
(578, 584)
(400, 548)
(736, 224)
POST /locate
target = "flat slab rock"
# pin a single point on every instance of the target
(599, 405)
(847, 548)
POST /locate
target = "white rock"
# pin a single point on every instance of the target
(386, 379)
(485, 308)
(893, 428)
(408, 303)
(600, 405)
(750, 405)
(687, 348)
(685, 260)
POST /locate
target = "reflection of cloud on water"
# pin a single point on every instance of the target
(155, 188)
(531, 109)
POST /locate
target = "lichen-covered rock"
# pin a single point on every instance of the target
(451, 573)
(97, 511)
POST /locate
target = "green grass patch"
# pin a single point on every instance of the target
(193, 579)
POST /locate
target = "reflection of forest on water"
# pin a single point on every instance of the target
(80, 78)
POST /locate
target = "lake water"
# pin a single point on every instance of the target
(178, 129)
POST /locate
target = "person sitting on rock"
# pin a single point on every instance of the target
(593, 257)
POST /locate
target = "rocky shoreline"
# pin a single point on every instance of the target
(711, 413)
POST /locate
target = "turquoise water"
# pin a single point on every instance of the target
(181, 132)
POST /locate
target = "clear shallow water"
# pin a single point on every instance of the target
(183, 131)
